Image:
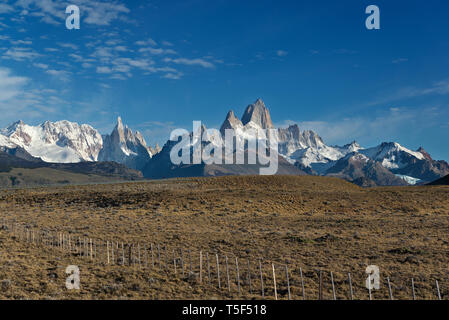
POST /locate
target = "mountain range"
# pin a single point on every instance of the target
(300, 151)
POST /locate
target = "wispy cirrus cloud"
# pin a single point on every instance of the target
(157, 51)
(41, 65)
(20, 98)
(191, 62)
(20, 54)
(388, 125)
(6, 8)
(10, 85)
(62, 75)
(437, 88)
(68, 45)
(147, 42)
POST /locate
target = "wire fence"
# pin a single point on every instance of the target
(236, 275)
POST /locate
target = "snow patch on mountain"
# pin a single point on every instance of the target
(408, 179)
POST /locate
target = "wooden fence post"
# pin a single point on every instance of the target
(201, 266)
(182, 262)
(138, 255)
(238, 273)
(320, 289)
(146, 255)
(274, 282)
(208, 267)
(227, 274)
(166, 257)
(369, 286)
(218, 271)
(438, 290)
(302, 284)
(174, 260)
(152, 255)
(390, 293)
(288, 283)
(107, 250)
(261, 279)
(159, 255)
(350, 287)
(249, 278)
(190, 261)
(112, 252)
(333, 286)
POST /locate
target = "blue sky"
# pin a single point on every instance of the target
(162, 64)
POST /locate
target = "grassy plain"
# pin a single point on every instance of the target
(316, 223)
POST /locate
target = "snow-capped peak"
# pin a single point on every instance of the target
(124, 146)
(392, 155)
(61, 141)
(350, 147)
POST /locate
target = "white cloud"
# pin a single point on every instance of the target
(173, 76)
(68, 45)
(21, 42)
(191, 62)
(61, 74)
(19, 99)
(104, 70)
(281, 53)
(10, 86)
(148, 42)
(103, 53)
(86, 65)
(121, 48)
(20, 54)
(76, 57)
(157, 51)
(5, 8)
(41, 65)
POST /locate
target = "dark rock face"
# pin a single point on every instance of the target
(441, 182)
(231, 122)
(258, 114)
(363, 171)
(426, 170)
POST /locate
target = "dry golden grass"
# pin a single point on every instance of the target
(315, 223)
